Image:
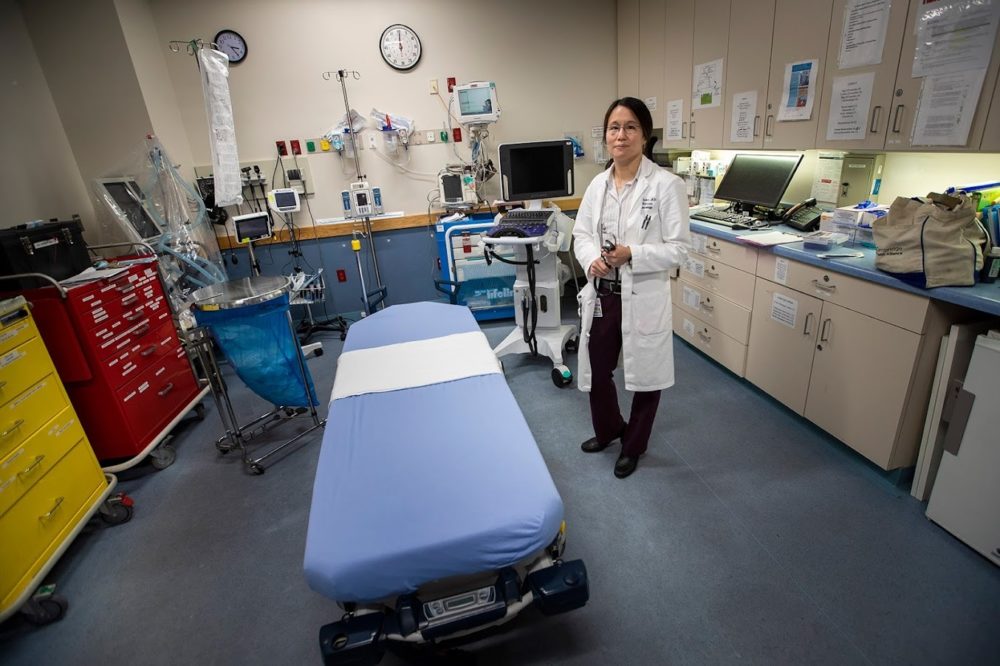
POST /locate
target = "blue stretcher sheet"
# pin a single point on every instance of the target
(424, 483)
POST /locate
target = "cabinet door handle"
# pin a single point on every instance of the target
(149, 350)
(142, 330)
(704, 336)
(165, 390)
(13, 426)
(806, 331)
(896, 118)
(715, 249)
(46, 516)
(684, 127)
(769, 125)
(824, 332)
(756, 123)
(711, 273)
(132, 316)
(707, 305)
(30, 468)
(826, 288)
(876, 114)
(692, 129)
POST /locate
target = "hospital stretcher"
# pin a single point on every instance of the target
(433, 514)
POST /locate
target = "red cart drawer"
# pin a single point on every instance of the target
(156, 396)
(131, 362)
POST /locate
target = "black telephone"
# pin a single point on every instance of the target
(802, 216)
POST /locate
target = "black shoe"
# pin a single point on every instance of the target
(625, 465)
(593, 445)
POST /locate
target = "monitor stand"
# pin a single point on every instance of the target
(537, 289)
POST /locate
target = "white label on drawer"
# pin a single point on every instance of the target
(698, 243)
(57, 430)
(695, 267)
(692, 298)
(10, 461)
(165, 341)
(6, 484)
(129, 396)
(13, 333)
(98, 320)
(784, 310)
(143, 387)
(128, 369)
(30, 392)
(780, 270)
(46, 243)
(689, 327)
(87, 298)
(161, 371)
(10, 357)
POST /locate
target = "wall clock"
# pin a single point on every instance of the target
(400, 47)
(232, 44)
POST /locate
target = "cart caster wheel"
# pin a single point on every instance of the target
(503, 370)
(45, 608)
(163, 456)
(343, 336)
(199, 411)
(318, 352)
(561, 376)
(256, 469)
(117, 510)
(573, 345)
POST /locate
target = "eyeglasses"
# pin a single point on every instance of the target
(630, 129)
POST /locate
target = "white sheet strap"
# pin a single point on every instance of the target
(411, 364)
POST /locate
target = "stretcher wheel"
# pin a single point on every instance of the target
(163, 456)
(573, 345)
(561, 376)
(45, 609)
(199, 411)
(256, 469)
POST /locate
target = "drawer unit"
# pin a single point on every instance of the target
(20, 470)
(723, 314)
(711, 341)
(22, 366)
(719, 278)
(151, 399)
(892, 306)
(732, 254)
(21, 416)
(16, 328)
(131, 362)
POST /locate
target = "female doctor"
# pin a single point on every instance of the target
(631, 231)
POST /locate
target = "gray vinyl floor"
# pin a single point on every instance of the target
(745, 536)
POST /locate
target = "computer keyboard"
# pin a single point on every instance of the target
(725, 218)
(522, 224)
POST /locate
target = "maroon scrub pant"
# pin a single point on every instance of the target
(605, 346)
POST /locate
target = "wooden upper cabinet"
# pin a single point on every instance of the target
(883, 75)
(652, 57)
(748, 64)
(801, 30)
(991, 135)
(907, 95)
(678, 40)
(628, 48)
(711, 43)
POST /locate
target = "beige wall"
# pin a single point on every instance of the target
(916, 174)
(554, 64)
(39, 178)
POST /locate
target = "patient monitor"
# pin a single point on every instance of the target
(476, 102)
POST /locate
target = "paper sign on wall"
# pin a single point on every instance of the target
(826, 178)
(863, 39)
(945, 108)
(849, 104)
(675, 111)
(784, 310)
(707, 90)
(744, 110)
(799, 91)
(955, 36)
(650, 103)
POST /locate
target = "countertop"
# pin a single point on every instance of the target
(984, 297)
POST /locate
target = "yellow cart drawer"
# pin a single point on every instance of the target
(16, 328)
(29, 462)
(23, 366)
(22, 416)
(33, 529)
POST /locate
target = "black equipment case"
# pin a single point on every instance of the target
(54, 248)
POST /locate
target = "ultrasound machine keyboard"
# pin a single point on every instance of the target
(725, 218)
(522, 224)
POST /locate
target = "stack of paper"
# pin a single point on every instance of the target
(770, 238)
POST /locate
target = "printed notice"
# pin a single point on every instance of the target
(695, 267)
(650, 103)
(955, 36)
(707, 90)
(799, 91)
(689, 327)
(675, 111)
(826, 178)
(863, 39)
(780, 270)
(784, 310)
(945, 108)
(744, 109)
(851, 99)
(698, 243)
(692, 298)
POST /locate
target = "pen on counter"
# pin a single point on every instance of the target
(844, 255)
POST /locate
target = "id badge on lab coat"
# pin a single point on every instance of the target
(598, 312)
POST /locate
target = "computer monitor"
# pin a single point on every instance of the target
(536, 170)
(253, 226)
(130, 200)
(757, 180)
(476, 102)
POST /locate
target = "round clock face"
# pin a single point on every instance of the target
(400, 47)
(232, 44)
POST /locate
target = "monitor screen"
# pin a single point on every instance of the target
(451, 184)
(128, 198)
(536, 170)
(758, 180)
(285, 199)
(252, 227)
(474, 101)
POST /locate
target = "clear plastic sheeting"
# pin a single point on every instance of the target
(149, 202)
(221, 127)
(258, 343)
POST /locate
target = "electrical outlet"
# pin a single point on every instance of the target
(434, 86)
(430, 137)
(371, 140)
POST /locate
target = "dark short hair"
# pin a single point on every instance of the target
(637, 107)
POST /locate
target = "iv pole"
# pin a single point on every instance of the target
(342, 75)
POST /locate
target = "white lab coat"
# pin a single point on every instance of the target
(647, 336)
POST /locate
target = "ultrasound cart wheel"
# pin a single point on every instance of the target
(561, 376)
(573, 345)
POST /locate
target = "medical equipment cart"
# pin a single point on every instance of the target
(466, 278)
(50, 481)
